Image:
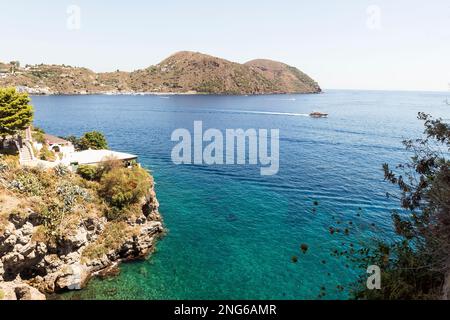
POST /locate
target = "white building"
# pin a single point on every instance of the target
(66, 154)
(56, 144)
(95, 157)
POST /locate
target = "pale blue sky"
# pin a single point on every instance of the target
(330, 40)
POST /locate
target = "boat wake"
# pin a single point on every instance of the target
(291, 114)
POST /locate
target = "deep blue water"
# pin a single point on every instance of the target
(232, 232)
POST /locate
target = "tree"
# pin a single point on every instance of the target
(93, 140)
(14, 66)
(416, 265)
(16, 113)
(75, 141)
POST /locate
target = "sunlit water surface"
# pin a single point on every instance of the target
(231, 232)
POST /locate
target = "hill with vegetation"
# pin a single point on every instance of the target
(183, 72)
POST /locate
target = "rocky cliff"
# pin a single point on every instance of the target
(37, 258)
(30, 268)
(183, 72)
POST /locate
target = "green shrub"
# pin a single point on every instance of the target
(70, 193)
(90, 173)
(122, 187)
(109, 164)
(121, 214)
(111, 239)
(93, 140)
(115, 214)
(29, 183)
(46, 154)
(52, 215)
(39, 130)
(61, 170)
(38, 136)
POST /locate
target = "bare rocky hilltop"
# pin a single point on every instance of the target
(184, 72)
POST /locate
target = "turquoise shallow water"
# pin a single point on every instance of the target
(232, 232)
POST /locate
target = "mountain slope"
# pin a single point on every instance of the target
(189, 71)
(183, 72)
(284, 76)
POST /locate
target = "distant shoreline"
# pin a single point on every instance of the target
(183, 73)
(237, 95)
(170, 94)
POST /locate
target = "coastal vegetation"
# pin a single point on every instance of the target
(417, 264)
(38, 135)
(85, 225)
(110, 240)
(57, 195)
(58, 227)
(16, 113)
(183, 72)
(88, 172)
(415, 261)
(121, 187)
(46, 155)
(94, 140)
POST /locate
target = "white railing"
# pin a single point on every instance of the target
(30, 149)
(20, 151)
(22, 157)
(28, 134)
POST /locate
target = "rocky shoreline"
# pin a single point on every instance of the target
(31, 269)
(48, 92)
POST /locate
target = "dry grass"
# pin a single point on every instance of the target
(40, 235)
(8, 204)
(62, 202)
(3, 222)
(112, 238)
(68, 226)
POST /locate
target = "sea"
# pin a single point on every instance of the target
(233, 233)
